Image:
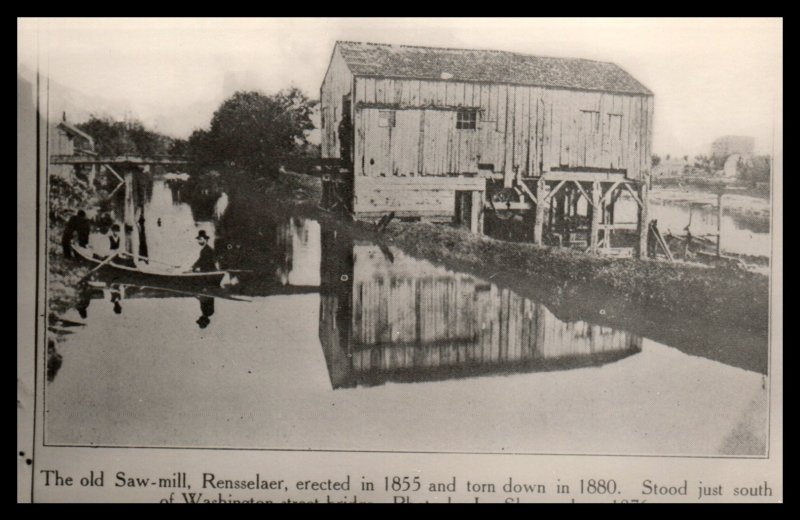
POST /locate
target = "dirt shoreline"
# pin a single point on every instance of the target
(719, 313)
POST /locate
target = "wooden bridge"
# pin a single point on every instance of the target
(128, 165)
(118, 160)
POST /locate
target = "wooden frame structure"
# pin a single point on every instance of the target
(129, 165)
(436, 133)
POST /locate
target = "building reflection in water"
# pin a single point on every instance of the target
(393, 318)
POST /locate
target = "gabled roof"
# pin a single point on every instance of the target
(412, 62)
(76, 132)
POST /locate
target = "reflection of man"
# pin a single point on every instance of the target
(206, 262)
(207, 309)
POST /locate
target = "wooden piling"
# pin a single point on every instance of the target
(476, 213)
(644, 219)
(719, 223)
(132, 245)
(541, 195)
(597, 215)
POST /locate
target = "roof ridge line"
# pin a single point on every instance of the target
(496, 51)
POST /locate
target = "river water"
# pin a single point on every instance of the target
(339, 344)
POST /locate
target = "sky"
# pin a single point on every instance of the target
(710, 77)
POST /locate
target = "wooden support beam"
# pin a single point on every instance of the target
(114, 172)
(132, 246)
(541, 192)
(476, 213)
(555, 190)
(633, 194)
(610, 191)
(719, 223)
(644, 219)
(586, 195)
(528, 192)
(584, 176)
(597, 214)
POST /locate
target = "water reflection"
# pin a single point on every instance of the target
(741, 234)
(196, 369)
(393, 318)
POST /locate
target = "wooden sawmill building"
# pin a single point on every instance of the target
(439, 133)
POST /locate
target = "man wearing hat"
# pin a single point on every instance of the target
(206, 262)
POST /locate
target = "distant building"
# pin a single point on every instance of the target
(67, 139)
(674, 167)
(731, 144)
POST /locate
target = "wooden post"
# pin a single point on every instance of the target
(541, 194)
(597, 215)
(476, 213)
(644, 220)
(719, 223)
(131, 246)
(609, 218)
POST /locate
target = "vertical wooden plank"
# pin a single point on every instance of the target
(400, 92)
(530, 132)
(518, 144)
(129, 217)
(541, 194)
(597, 214)
(508, 152)
(546, 130)
(380, 90)
(369, 87)
(464, 94)
(441, 93)
(421, 144)
(635, 136)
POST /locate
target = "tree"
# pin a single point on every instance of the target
(656, 160)
(754, 170)
(125, 137)
(252, 131)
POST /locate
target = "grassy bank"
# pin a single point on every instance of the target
(717, 293)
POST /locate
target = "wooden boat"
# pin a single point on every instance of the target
(147, 274)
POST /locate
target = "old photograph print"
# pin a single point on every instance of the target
(406, 235)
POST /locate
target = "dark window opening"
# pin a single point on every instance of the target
(590, 121)
(346, 105)
(467, 119)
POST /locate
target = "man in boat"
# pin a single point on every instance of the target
(76, 224)
(207, 261)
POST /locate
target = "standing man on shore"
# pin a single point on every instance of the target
(76, 224)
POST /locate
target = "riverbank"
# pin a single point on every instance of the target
(65, 197)
(694, 308)
(710, 185)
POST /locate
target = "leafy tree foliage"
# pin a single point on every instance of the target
(252, 131)
(754, 170)
(655, 160)
(125, 137)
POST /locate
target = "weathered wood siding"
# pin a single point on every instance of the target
(411, 196)
(521, 130)
(338, 83)
(407, 316)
